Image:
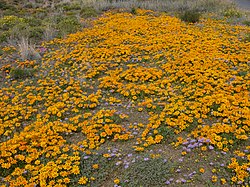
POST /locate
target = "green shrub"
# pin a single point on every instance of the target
(247, 37)
(28, 5)
(20, 30)
(4, 35)
(190, 16)
(88, 12)
(133, 10)
(3, 5)
(70, 7)
(36, 33)
(232, 12)
(68, 25)
(8, 22)
(19, 73)
(32, 21)
(246, 22)
(41, 13)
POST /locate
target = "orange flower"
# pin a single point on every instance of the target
(202, 170)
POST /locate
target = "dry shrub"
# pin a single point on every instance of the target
(27, 50)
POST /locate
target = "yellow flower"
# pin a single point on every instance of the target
(234, 179)
(203, 148)
(214, 178)
(75, 170)
(106, 155)
(223, 181)
(66, 180)
(83, 180)
(183, 153)
(116, 181)
(140, 109)
(95, 166)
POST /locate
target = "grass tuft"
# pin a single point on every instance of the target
(20, 73)
(27, 51)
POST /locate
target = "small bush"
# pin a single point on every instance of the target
(68, 25)
(190, 16)
(36, 33)
(33, 22)
(3, 5)
(246, 22)
(4, 35)
(88, 12)
(8, 22)
(247, 37)
(232, 12)
(20, 30)
(19, 73)
(133, 10)
(70, 7)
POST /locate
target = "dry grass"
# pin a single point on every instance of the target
(27, 50)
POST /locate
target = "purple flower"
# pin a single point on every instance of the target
(145, 159)
(188, 150)
(180, 159)
(201, 140)
(196, 145)
(178, 170)
(208, 140)
(192, 141)
(185, 143)
(167, 182)
(178, 181)
(183, 180)
(42, 49)
(118, 163)
(210, 147)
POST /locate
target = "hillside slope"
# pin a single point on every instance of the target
(140, 99)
